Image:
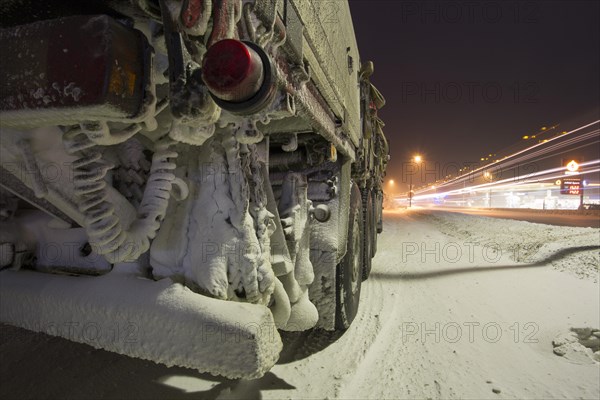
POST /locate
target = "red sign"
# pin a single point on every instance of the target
(571, 186)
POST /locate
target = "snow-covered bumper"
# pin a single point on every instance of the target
(160, 321)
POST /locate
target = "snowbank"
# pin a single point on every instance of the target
(568, 249)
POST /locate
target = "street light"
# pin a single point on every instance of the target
(417, 159)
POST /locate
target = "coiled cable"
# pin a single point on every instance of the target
(102, 224)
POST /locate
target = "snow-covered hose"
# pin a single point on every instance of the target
(154, 203)
(132, 171)
(102, 225)
(281, 307)
(89, 169)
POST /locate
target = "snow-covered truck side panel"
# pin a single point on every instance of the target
(222, 151)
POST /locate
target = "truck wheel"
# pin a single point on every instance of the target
(375, 223)
(379, 205)
(369, 232)
(349, 270)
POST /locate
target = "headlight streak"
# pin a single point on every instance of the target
(553, 147)
(512, 159)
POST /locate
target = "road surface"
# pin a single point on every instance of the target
(551, 217)
(457, 306)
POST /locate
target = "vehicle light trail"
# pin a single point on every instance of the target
(523, 173)
(511, 160)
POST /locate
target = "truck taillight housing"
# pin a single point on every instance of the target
(64, 70)
(238, 75)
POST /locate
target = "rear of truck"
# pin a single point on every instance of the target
(181, 180)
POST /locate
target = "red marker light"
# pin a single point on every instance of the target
(232, 70)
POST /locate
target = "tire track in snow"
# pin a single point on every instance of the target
(361, 335)
(407, 374)
(372, 322)
(384, 337)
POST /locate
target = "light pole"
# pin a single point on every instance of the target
(417, 159)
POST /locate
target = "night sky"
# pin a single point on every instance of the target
(463, 79)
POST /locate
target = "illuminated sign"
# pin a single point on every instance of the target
(571, 186)
(572, 167)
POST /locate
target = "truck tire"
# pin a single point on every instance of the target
(379, 213)
(349, 270)
(375, 223)
(369, 232)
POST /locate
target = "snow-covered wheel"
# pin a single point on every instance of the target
(369, 233)
(349, 270)
(375, 224)
(379, 212)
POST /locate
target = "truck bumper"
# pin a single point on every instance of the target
(160, 321)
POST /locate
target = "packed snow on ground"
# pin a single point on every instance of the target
(457, 306)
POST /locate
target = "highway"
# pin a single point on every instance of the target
(545, 182)
(574, 218)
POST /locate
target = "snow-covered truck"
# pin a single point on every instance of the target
(181, 180)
